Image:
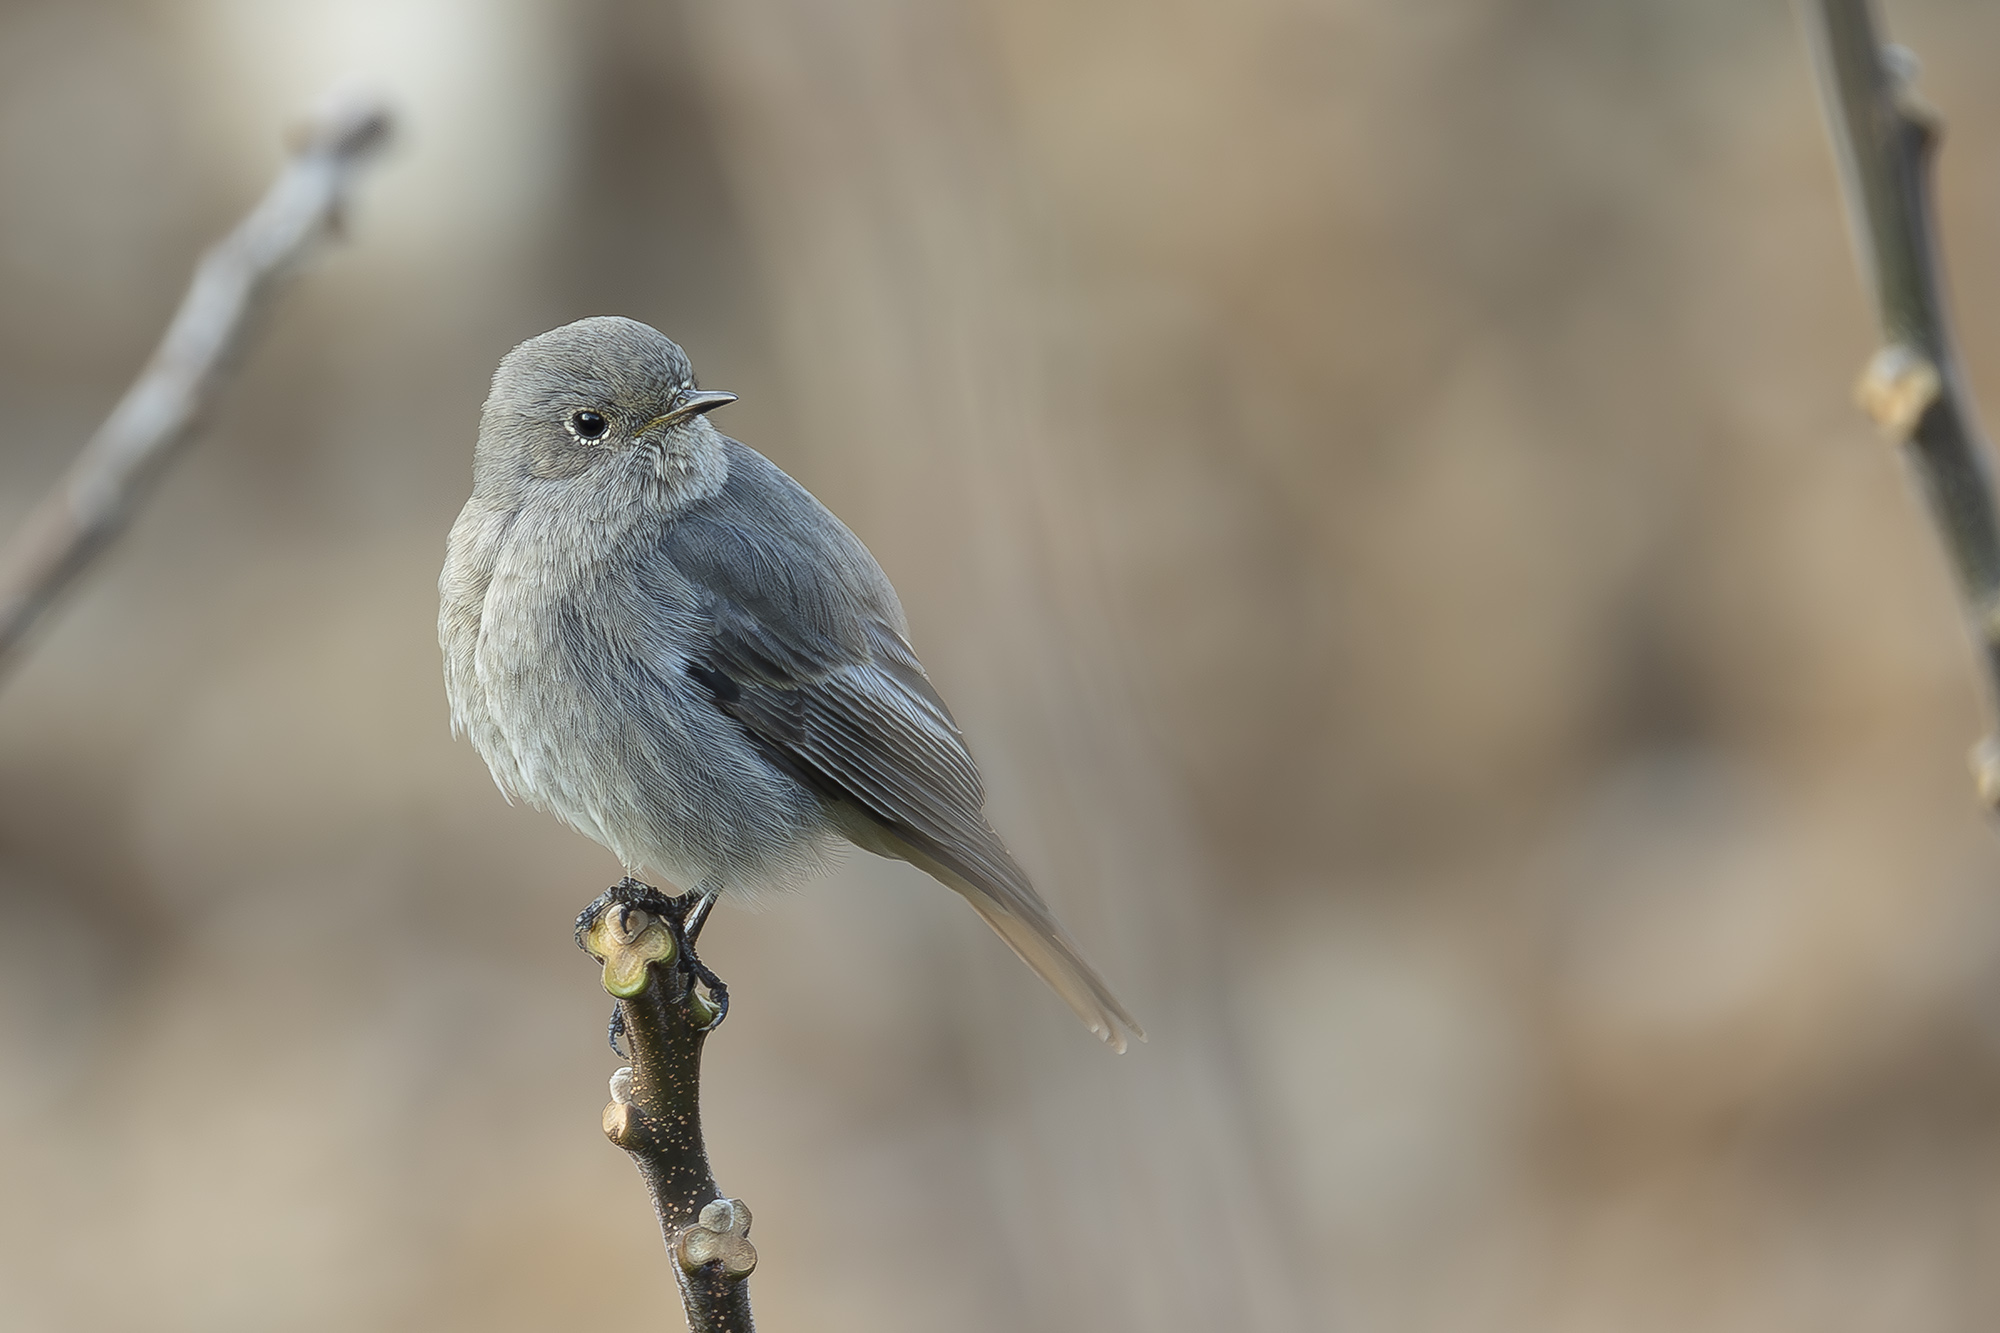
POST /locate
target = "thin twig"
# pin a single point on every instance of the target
(1885, 138)
(655, 1110)
(157, 417)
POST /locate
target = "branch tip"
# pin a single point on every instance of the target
(655, 1108)
(234, 282)
(627, 941)
(350, 123)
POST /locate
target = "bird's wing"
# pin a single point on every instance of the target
(800, 640)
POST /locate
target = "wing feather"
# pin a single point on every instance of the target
(800, 640)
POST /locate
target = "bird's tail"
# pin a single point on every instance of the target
(998, 889)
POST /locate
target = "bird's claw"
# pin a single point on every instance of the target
(630, 893)
(617, 1030)
(685, 916)
(718, 993)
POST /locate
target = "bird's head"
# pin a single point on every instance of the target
(603, 402)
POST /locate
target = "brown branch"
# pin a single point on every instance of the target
(157, 417)
(1885, 138)
(655, 1110)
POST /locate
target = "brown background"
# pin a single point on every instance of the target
(1376, 480)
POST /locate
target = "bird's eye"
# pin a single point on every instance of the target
(588, 425)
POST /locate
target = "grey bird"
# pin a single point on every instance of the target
(653, 633)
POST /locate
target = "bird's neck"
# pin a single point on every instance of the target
(690, 465)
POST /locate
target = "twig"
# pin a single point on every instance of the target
(655, 1110)
(156, 418)
(1885, 138)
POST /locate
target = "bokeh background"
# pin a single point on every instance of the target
(1378, 484)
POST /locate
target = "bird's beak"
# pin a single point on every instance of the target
(690, 405)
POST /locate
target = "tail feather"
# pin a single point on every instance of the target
(1055, 960)
(989, 879)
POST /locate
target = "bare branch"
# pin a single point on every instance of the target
(655, 1110)
(1885, 138)
(157, 417)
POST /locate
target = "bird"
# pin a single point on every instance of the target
(653, 633)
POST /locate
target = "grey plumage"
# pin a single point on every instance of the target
(653, 633)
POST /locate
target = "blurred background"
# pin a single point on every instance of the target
(1379, 486)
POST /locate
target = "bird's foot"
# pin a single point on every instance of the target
(617, 1030)
(694, 908)
(629, 895)
(718, 994)
(684, 915)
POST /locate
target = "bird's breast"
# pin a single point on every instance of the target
(575, 669)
